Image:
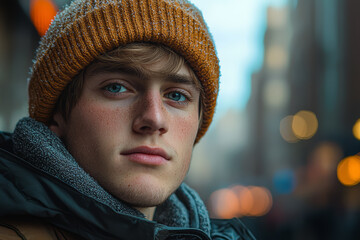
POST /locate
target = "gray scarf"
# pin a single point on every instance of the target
(38, 145)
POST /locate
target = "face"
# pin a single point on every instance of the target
(134, 133)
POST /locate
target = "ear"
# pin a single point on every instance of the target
(58, 125)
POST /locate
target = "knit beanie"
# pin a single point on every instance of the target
(86, 29)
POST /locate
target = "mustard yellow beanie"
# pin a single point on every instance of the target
(87, 28)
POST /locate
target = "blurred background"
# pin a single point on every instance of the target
(282, 152)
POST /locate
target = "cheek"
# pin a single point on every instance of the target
(186, 129)
(100, 117)
(95, 125)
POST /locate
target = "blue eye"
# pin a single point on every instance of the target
(115, 88)
(176, 96)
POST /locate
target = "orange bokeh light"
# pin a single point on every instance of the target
(286, 129)
(305, 124)
(41, 13)
(348, 171)
(262, 201)
(245, 198)
(356, 129)
(225, 203)
(241, 201)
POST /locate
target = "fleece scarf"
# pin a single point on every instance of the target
(38, 145)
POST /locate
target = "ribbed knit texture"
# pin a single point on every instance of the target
(88, 28)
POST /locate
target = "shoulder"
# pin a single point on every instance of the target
(31, 228)
(230, 229)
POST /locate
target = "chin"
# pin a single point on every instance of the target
(143, 192)
(143, 196)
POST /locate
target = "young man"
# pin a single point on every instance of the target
(119, 93)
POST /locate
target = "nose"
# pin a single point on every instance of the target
(151, 115)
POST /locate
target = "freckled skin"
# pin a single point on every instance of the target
(100, 127)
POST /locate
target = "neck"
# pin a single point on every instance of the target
(148, 212)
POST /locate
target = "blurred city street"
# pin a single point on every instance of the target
(283, 152)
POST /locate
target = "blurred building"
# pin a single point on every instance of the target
(310, 68)
(17, 42)
(310, 64)
(270, 97)
(22, 22)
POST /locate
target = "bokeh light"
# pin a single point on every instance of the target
(284, 181)
(356, 129)
(262, 201)
(286, 129)
(301, 126)
(323, 161)
(224, 203)
(305, 124)
(41, 13)
(247, 200)
(240, 201)
(348, 171)
(276, 93)
(276, 57)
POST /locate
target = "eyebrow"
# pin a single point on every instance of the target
(178, 78)
(144, 75)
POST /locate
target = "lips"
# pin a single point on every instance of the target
(147, 155)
